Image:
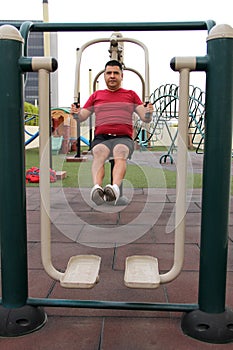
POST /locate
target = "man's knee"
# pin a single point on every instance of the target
(121, 151)
(100, 151)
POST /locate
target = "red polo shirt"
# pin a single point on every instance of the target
(113, 111)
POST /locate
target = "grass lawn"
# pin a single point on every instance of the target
(79, 174)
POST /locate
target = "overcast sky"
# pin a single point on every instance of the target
(162, 45)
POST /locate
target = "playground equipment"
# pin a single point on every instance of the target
(64, 125)
(71, 278)
(81, 271)
(116, 51)
(209, 320)
(56, 144)
(62, 130)
(32, 136)
(133, 274)
(166, 112)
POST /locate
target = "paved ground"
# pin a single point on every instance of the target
(144, 226)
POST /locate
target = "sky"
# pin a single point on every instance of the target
(162, 46)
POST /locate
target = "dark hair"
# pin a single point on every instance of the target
(113, 63)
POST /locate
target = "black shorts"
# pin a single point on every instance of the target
(112, 140)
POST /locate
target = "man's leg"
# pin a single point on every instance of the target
(100, 154)
(120, 155)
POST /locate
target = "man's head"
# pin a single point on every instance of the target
(113, 75)
(113, 63)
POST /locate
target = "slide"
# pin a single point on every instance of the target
(33, 137)
(84, 140)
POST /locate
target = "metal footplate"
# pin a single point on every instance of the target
(82, 272)
(141, 271)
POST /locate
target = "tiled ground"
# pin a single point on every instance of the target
(144, 226)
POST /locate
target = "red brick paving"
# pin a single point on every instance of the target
(97, 329)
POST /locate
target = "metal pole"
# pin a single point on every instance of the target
(181, 178)
(44, 175)
(216, 172)
(90, 118)
(12, 179)
(122, 26)
(47, 54)
(46, 34)
(78, 141)
(212, 323)
(13, 194)
(117, 305)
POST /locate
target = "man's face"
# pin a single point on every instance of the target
(113, 77)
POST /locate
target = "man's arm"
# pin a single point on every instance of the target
(82, 113)
(145, 112)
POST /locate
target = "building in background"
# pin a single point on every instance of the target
(36, 48)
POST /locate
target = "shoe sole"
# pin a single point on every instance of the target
(109, 195)
(98, 197)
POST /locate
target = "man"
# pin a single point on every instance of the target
(113, 108)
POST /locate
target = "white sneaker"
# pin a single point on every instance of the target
(97, 195)
(112, 193)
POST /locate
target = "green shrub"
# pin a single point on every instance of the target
(31, 114)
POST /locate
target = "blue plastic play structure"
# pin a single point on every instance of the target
(84, 140)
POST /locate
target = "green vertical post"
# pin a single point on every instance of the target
(13, 193)
(12, 179)
(213, 321)
(216, 170)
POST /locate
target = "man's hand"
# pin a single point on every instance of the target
(148, 108)
(145, 111)
(79, 113)
(75, 109)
